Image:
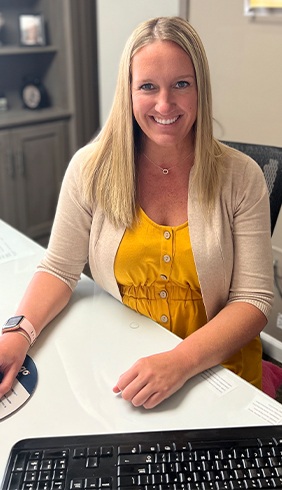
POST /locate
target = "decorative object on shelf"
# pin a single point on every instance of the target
(32, 30)
(2, 27)
(3, 102)
(33, 93)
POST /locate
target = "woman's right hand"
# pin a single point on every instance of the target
(13, 350)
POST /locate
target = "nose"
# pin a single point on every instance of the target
(164, 103)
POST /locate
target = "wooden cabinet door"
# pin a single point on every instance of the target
(40, 161)
(8, 194)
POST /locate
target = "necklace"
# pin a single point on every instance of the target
(165, 171)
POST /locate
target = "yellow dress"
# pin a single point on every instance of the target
(157, 277)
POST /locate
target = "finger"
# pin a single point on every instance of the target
(125, 379)
(129, 386)
(7, 382)
(154, 400)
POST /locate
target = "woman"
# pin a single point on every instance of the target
(175, 224)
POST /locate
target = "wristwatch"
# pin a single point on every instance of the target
(21, 325)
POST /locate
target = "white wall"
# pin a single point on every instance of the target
(116, 21)
(245, 57)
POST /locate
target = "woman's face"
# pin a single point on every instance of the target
(164, 93)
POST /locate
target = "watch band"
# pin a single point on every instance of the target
(29, 329)
(24, 334)
(21, 325)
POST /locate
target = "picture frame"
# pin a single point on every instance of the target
(32, 30)
(262, 7)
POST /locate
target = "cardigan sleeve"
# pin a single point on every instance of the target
(232, 245)
(252, 276)
(67, 251)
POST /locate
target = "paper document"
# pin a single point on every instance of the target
(12, 244)
(267, 409)
(218, 381)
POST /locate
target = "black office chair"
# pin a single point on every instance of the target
(269, 159)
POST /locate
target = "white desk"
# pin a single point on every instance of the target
(81, 354)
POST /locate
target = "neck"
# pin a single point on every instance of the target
(166, 165)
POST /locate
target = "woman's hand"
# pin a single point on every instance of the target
(13, 350)
(152, 379)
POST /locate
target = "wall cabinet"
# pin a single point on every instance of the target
(33, 166)
(30, 61)
(36, 145)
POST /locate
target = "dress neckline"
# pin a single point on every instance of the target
(157, 225)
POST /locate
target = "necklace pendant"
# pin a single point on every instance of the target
(165, 171)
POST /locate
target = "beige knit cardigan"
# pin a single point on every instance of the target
(232, 250)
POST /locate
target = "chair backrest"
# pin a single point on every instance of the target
(269, 159)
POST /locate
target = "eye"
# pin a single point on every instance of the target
(182, 84)
(147, 86)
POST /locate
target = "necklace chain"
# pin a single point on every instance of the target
(166, 170)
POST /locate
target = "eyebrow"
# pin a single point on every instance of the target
(178, 77)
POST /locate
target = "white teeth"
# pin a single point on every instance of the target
(166, 121)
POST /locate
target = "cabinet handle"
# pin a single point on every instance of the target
(10, 165)
(20, 164)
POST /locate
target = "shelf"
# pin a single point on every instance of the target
(11, 118)
(24, 50)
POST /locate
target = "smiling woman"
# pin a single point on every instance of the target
(174, 223)
(164, 99)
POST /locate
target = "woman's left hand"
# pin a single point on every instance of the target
(152, 379)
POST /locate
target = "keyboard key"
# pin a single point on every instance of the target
(35, 455)
(127, 481)
(60, 464)
(15, 481)
(31, 476)
(133, 470)
(106, 483)
(58, 485)
(92, 483)
(156, 468)
(149, 448)
(59, 475)
(45, 485)
(20, 461)
(77, 484)
(136, 458)
(167, 448)
(106, 451)
(93, 451)
(79, 452)
(54, 453)
(267, 441)
(46, 464)
(129, 449)
(92, 462)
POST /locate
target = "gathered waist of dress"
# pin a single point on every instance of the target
(165, 291)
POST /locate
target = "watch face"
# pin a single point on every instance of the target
(31, 96)
(14, 321)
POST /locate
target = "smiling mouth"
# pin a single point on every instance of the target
(166, 122)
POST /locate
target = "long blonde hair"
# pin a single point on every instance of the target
(109, 175)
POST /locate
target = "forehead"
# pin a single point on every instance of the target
(166, 56)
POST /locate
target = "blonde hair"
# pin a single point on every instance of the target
(109, 176)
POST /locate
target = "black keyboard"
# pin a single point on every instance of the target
(201, 459)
